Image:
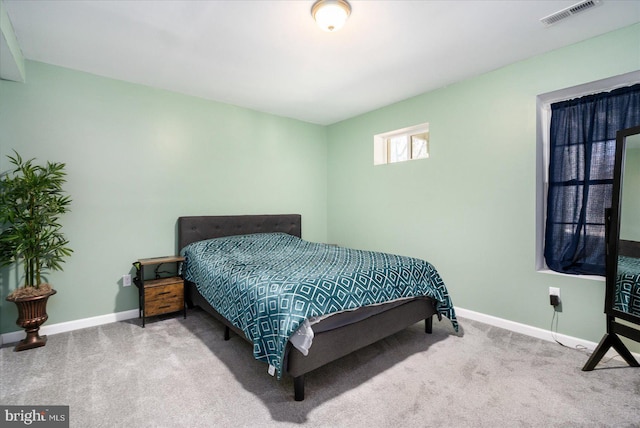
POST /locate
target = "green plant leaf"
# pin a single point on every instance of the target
(31, 203)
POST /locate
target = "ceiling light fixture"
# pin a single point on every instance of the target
(330, 15)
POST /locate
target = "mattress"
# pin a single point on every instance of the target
(302, 338)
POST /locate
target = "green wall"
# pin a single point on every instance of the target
(470, 208)
(137, 159)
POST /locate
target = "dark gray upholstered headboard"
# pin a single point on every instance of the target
(629, 248)
(197, 228)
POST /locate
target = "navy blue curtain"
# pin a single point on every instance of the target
(581, 160)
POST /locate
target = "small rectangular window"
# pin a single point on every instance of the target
(401, 145)
(397, 147)
(419, 146)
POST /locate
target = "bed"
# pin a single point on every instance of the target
(627, 292)
(264, 322)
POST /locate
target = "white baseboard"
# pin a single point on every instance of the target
(16, 336)
(528, 330)
(539, 333)
(464, 313)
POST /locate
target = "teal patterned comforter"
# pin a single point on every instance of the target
(268, 284)
(627, 295)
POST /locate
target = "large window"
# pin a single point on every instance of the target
(581, 148)
(401, 145)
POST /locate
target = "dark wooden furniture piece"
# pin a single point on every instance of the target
(327, 345)
(625, 139)
(159, 295)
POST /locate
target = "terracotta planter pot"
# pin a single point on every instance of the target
(32, 313)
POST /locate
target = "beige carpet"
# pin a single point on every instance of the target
(181, 373)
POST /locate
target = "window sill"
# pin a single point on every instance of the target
(589, 277)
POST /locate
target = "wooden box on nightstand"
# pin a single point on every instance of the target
(160, 295)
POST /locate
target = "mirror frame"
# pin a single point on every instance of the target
(613, 239)
(615, 329)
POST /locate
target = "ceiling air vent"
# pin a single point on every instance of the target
(569, 11)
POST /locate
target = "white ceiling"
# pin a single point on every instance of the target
(269, 55)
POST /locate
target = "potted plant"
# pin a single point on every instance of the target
(31, 203)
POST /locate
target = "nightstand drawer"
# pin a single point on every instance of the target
(163, 296)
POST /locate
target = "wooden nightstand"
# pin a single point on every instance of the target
(159, 295)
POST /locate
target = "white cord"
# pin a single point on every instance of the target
(580, 348)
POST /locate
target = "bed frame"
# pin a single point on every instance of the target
(328, 345)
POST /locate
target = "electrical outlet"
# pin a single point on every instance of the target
(554, 296)
(126, 280)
